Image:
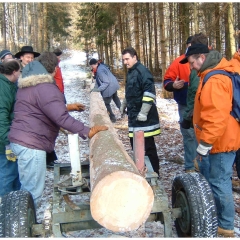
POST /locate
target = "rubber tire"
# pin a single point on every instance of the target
(192, 193)
(17, 214)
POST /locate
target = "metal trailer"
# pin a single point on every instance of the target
(193, 209)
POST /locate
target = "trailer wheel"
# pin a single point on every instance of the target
(192, 193)
(17, 214)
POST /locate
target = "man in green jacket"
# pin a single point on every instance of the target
(9, 180)
(187, 123)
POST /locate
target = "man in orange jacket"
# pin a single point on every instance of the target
(216, 130)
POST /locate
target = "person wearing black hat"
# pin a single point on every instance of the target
(176, 80)
(5, 54)
(187, 122)
(26, 55)
(107, 84)
(217, 131)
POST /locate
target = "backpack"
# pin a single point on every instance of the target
(235, 77)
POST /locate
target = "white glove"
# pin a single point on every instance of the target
(142, 116)
(203, 150)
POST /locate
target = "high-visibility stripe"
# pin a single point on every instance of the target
(145, 129)
(148, 94)
(147, 134)
(147, 99)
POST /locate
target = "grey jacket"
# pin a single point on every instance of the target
(40, 111)
(106, 82)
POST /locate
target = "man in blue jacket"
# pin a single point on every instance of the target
(107, 84)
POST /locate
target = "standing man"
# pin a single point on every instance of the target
(5, 55)
(9, 179)
(176, 80)
(58, 75)
(26, 55)
(107, 84)
(216, 130)
(140, 102)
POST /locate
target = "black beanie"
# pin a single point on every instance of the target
(93, 61)
(57, 52)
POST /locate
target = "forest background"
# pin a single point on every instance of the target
(157, 30)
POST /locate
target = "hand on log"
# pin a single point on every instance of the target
(75, 107)
(96, 129)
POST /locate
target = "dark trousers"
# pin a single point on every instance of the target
(51, 157)
(237, 162)
(107, 101)
(151, 152)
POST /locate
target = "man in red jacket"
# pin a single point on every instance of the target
(58, 75)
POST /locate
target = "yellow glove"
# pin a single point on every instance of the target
(9, 154)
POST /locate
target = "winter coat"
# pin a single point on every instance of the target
(192, 89)
(59, 79)
(7, 99)
(140, 88)
(40, 111)
(177, 70)
(106, 82)
(212, 121)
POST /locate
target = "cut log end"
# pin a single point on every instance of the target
(122, 201)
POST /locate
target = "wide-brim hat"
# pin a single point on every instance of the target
(4, 53)
(194, 49)
(26, 49)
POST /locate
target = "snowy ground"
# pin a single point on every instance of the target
(169, 145)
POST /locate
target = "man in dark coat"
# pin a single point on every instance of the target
(140, 96)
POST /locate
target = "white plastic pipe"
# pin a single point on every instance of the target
(76, 172)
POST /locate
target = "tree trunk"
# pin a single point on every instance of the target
(149, 37)
(157, 69)
(195, 16)
(136, 29)
(232, 49)
(217, 28)
(227, 40)
(121, 199)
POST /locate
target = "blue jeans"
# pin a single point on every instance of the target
(220, 179)
(189, 141)
(9, 180)
(32, 170)
(204, 167)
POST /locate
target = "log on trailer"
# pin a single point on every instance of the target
(121, 199)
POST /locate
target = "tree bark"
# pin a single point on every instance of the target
(121, 198)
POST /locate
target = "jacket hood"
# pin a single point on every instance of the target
(212, 60)
(216, 61)
(33, 74)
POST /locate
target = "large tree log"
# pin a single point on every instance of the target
(121, 199)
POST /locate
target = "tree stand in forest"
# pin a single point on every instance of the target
(124, 194)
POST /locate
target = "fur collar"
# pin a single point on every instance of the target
(34, 80)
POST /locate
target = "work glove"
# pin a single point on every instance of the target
(123, 107)
(75, 107)
(142, 115)
(203, 149)
(185, 124)
(95, 130)
(9, 154)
